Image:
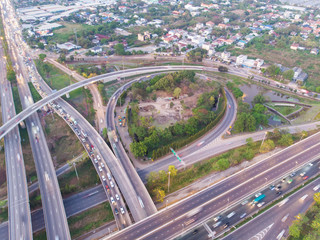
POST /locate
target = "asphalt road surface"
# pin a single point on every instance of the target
(18, 197)
(175, 219)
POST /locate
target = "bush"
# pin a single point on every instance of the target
(223, 164)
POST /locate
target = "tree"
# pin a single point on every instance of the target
(173, 171)
(223, 164)
(71, 58)
(159, 194)
(40, 45)
(273, 70)
(177, 92)
(316, 197)
(288, 74)
(222, 69)
(139, 149)
(152, 178)
(286, 140)
(295, 229)
(249, 142)
(62, 57)
(267, 146)
(105, 133)
(42, 56)
(259, 99)
(259, 108)
(119, 49)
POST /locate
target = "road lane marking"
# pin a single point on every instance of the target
(260, 235)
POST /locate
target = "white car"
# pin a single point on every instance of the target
(216, 224)
(102, 165)
(261, 204)
(258, 194)
(122, 210)
(112, 200)
(100, 169)
(104, 178)
(231, 214)
(111, 183)
(95, 160)
(117, 197)
(99, 158)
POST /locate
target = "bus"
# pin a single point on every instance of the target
(259, 198)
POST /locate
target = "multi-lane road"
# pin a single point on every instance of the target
(18, 197)
(176, 219)
(54, 212)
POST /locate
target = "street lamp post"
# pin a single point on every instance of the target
(265, 134)
(168, 181)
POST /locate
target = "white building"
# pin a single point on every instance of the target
(240, 59)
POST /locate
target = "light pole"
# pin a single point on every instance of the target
(266, 179)
(168, 181)
(75, 169)
(265, 134)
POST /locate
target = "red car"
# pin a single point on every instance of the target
(107, 187)
(305, 177)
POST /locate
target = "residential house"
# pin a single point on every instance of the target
(314, 51)
(294, 46)
(210, 24)
(240, 59)
(68, 46)
(96, 49)
(145, 36)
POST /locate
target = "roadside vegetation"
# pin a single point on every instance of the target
(157, 182)
(88, 177)
(81, 98)
(307, 226)
(285, 110)
(35, 95)
(152, 140)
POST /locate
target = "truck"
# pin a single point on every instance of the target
(114, 135)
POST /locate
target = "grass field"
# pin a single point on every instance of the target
(84, 222)
(63, 34)
(87, 178)
(285, 110)
(35, 95)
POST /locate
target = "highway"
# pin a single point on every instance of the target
(18, 198)
(275, 223)
(87, 135)
(173, 220)
(75, 204)
(54, 212)
(144, 198)
(246, 209)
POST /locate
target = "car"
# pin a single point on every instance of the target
(195, 232)
(98, 157)
(116, 211)
(283, 180)
(310, 164)
(111, 183)
(95, 160)
(279, 193)
(231, 214)
(260, 204)
(112, 200)
(92, 147)
(102, 165)
(117, 197)
(83, 139)
(217, 218)
(302, 174)
(107, 187)
(289, 181)
(200, 143)
(103, 178)
(226, 225)
(100, 169)
(243, 215)
(278, 187)
(305, 177)
(272, 187)
(292, 174)
(258, 194)
(122, 210)
(216, 224)
(316, 188)
(109, 176)
(244, 202)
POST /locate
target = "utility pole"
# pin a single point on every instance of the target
(168, 181)
(75, 33)
(75, 169)
(263, 140)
